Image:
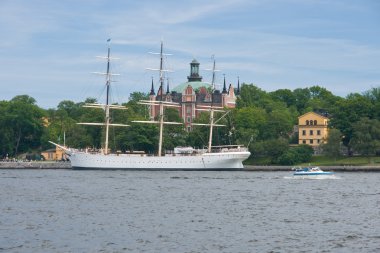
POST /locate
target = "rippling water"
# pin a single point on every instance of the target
(133, 211)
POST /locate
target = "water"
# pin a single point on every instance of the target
(140, 211)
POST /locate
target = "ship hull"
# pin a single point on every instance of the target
(206, 161)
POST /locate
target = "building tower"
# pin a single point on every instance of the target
(152, 97)
(194, 72)
(224, 92)
(238, 87)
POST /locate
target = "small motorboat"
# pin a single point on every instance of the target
(311, 171)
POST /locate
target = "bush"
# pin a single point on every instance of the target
(299, 154)
(288, 158)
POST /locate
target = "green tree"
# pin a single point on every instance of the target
(302, 97)
(250, 124)
(272, 149)
(349, 111)
(251, 95)
(21, 125)
(366, 136)
(332, 148)
(174, 135)
(373, 95)
(284, 95)
(199, 135)
(279, 123)
(295, 155)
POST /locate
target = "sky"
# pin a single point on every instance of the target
(48, 48)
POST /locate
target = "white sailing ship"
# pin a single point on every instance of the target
(229, 157)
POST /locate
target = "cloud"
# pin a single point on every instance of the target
(53, 43)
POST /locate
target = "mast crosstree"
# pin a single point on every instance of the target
(107, 106)
(162, 104)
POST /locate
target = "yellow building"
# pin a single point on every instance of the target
(54, 154)
(312, 129)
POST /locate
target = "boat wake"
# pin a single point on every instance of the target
(317, 177)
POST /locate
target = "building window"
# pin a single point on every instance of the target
(315, 123)
(311, 141)
(303, 132)
(319, 141)
(304, 141)
(189, 128)
(188, 119)
(311, 122)
(318, 132)
(311, 132)
(307, 122)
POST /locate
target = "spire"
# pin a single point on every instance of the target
(152, 89)
(238, 88)
(224, 85)
(167, 87)
(159, 92)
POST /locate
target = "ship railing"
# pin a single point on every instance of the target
(185, 151)
(228, 148)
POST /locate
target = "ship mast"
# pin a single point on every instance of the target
(107, 106)
(213, 74)
(108, 82)
(161, 103)
(211, 109)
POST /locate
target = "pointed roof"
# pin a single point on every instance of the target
(224, 86)
(167, 88)
(152, 89)
(313, 113)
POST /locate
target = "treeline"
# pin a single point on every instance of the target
(263, 120)
(354, 122)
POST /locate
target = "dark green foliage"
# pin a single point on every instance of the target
(333, 146)
(251, 95)
(21, 125)
(349, 111)
(295, 155)
(264, 120)
(366, 137)
(272, 148)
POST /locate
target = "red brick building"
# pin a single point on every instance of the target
(194, 93)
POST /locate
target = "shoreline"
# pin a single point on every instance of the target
(35, 165)
(341, 168)
(67, 165)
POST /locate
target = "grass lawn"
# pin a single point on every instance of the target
(354, 160)
(325, 161)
